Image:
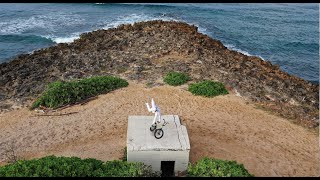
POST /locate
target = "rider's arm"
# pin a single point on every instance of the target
(149, 109)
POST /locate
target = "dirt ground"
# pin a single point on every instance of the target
(224, 127)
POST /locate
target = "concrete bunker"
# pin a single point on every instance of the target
(169, 154)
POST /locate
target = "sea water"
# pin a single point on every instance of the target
(285, 34)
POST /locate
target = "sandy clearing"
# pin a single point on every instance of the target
(224, 127)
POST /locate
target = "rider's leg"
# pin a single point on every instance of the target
(154, 119)
(159, 117)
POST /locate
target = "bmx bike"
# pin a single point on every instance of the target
(157, 128)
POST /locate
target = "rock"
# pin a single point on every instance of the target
(158, 47)
(198, 61)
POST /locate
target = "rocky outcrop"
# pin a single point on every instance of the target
(147, 50)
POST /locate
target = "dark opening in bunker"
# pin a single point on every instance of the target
(167, 168)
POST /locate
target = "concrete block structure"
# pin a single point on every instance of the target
(170, 154)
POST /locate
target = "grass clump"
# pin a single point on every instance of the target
(176, 78)
(61, 93)
(124, 157)
(207, 88)
(52, 166)
(207, 167)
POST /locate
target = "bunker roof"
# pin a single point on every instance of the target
(140, 138)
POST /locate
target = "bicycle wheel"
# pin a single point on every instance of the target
(158, 133)
(152, 128)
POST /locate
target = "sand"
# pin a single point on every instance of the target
(224, 127)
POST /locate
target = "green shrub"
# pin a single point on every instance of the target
(207, 167)
(124, 158)
(61, 93)
(176, 78)
(52, 166)
(207, 88)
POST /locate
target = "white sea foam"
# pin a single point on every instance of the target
(133, 18)
(200, 29)
(126, 19)
(57, 40)
(67, 39)
(50, 22)
(232, 47)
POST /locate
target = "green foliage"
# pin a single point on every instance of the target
(124, 158)
(52, 166)
(207, 88)
(207, 167)
(61, 93)
(176, 78)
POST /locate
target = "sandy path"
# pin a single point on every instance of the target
(224, 127)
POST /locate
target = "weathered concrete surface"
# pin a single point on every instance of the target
(142, 146)
(140, 138)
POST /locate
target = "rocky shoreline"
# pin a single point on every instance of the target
(146, 51)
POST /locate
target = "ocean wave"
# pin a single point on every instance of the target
(15, 38)
(125, 19)
(49, 22)
(57, 40)
(66, 39)
(201, 29)
(21, 44)
(170, 5)
(133, 18)
(233, 47)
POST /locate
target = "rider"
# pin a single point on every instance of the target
(156, 110)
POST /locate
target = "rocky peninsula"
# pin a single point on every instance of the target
(144, 52)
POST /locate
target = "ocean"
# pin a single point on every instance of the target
(285, 34)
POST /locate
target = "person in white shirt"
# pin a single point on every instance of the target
(156, 110)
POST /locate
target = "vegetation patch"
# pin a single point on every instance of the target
(124, 158)
(207, 167)
(208, 88)
(176, 78)
(52, 166)
(61, 93)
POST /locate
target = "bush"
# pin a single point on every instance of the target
(207, 88)
(124, 157)
(52, 166)
(176, 78)
(61, 93)
(207, 167)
